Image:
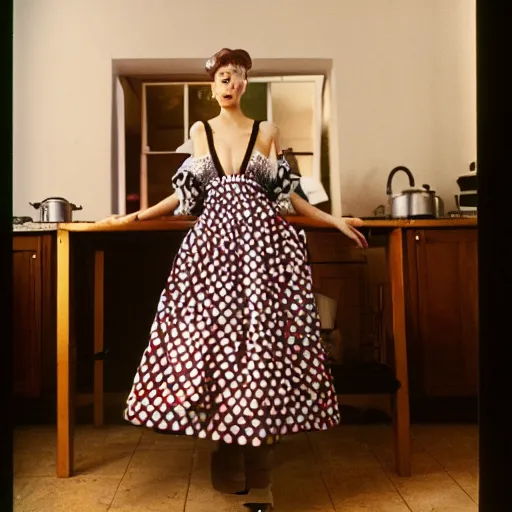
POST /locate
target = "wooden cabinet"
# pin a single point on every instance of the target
(346, 285)
(441, 270)
(27, 315)
(338, 270)
(441, 305)
(33, 314)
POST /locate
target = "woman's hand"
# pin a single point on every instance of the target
(346, 226)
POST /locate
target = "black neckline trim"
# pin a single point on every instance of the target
(248, 151)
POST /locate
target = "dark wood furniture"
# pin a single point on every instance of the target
(34, 314)
(338, 270)
(441, 272)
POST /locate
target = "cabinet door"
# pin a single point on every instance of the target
(27, 315)
(447, 308)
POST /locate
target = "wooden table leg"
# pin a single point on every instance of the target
(65, 391)
(402, 414)
(99, 259)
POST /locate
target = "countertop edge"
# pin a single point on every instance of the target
(180, 224)
(185, 223)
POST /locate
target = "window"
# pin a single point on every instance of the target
(169, 109)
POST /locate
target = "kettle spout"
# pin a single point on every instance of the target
(35, 205)
(389, 191)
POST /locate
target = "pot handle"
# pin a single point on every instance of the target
(74, 207)
(35, 205)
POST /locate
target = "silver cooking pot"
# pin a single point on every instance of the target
(56, 209)
(419, 203)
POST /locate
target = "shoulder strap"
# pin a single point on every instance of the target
(211, 147)
(209, 135)
(250, 147)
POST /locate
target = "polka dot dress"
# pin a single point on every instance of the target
(234, 352)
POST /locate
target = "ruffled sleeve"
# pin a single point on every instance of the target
(189, 189)
(282, 184)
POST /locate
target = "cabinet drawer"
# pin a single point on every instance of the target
(333, 247)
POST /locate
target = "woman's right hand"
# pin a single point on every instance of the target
(346, 226)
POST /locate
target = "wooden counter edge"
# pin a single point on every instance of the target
(185, 223)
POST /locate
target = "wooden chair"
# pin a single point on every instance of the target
(377, 379)
(371, 378)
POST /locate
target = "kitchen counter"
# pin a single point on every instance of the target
(442, 222)
(67, 235)
(183, 223)
(29, 227)
(180, 223)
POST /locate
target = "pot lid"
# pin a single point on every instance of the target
(426, 188)
(418, 191)
(55, 199)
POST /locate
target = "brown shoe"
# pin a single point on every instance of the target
(228, 469)
(259, 462)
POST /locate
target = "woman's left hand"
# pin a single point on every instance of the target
(346, 226)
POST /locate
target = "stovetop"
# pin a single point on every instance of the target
(469, 213)
(19, 221)
(27, 225)
(462, 214)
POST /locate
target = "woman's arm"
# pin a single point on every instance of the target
(302, 207)
(346, 226)
(164, 207)
(168, 205)
(308, 210)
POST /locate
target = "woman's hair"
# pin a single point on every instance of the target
(227, 56)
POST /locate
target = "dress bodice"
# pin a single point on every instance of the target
(196, 174)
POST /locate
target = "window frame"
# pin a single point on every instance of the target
(318, 80)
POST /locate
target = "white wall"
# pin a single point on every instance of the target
(403, 84)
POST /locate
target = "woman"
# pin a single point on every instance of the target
(234, 352)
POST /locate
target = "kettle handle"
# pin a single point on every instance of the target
(389, 192)
(35, 205)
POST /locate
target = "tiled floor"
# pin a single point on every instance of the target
(349, 468)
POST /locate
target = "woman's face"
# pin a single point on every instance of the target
(229, 85)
